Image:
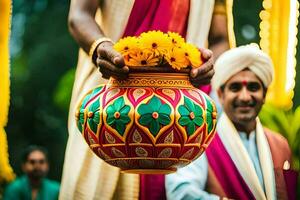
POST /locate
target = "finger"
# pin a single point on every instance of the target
(107, 52)
(108, 69)
(203, 79)
(107, 74)
(204, 68)
(206, 54)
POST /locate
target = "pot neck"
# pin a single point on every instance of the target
(173, 80)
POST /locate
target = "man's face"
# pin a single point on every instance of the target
(242, 97)
(36, 166)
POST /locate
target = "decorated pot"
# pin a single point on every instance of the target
(148, 123)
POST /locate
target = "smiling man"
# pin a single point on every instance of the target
(244, 160)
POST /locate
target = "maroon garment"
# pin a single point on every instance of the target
(226, 172)
(225, 180)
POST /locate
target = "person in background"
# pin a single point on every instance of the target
(96, 25)
(33, 185)
(244, 160)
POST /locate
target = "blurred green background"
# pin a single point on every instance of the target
(43, 61)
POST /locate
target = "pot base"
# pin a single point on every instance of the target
(149, 171)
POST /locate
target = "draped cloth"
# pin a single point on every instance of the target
(85, 176)
(227, 155)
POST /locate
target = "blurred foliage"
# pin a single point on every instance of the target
(63, 90)
(285, 123)
(42, 52)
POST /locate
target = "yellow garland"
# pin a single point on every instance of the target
(230, 23)
(278, 30)
(6, 172)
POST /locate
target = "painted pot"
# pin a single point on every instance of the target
(148, 123)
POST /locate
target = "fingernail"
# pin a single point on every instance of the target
(126, 69)
(193, 73)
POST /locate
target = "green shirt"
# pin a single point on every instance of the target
(20, 190)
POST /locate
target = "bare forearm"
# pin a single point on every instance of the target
(218, 37)
(82, 24)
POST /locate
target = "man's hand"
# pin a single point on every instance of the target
(203, 74)
(110, 62)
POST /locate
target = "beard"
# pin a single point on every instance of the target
(37, 174)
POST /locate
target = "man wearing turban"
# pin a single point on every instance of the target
(244, 160)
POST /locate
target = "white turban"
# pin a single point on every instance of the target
(240, 58)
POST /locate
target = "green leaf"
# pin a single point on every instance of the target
(191, 128)
(198, 121)
(209, 122)
(125, 110)
(189, 104)
(146, 119)
(119, 103)
(164, 119)
(183, 110)
(184, 120)
(154, 127)
(165, 109)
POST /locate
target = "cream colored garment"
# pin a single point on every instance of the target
(85, 176)
(240, 157)
(237, 59)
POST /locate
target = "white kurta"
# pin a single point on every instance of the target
(85, 176)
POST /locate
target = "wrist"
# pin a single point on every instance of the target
(94, 46)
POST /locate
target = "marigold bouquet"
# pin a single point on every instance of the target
(155, 48)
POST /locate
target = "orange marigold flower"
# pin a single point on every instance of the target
(156, 41)
(127, 45)
(192, 54)
(141, 58)
(176, 58)
(177, 40)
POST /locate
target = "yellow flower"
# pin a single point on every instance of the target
(141, 58)
(177, 40)
(176, 58)
(156, 41)
(127, 45)
(192, 54)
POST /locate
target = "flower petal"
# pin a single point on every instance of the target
(189, 104)
(154, 103)
(124, 119)
(198, 110)
(125, 110)
(165, 109)
(198, 121)
(145, 119)
(183, 110)
(120, 128)
(110, 110)
(144, 109)
(110, 120)
(119, 103)
(164, 119)
(191, 128)
(154, 127)
(184, 120)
